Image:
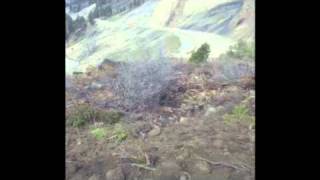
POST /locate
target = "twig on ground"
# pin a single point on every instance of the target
(67, 161)
(112, 137)
(218, 163)
(142, 166)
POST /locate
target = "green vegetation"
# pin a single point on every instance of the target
(91, 17)
(74, 25)
(79, 23)
(109, 117)
(120, 133)
(201, 55)
(99, 133)
(80, 115)
(69, 25)
(101, 11)
(240, 113)
(242, 50)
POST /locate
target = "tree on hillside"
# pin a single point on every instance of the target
(69, 25)
(106, 11)
(91, 18)
(201, 55)
(92, 1)
(79, 23)
(242, 50)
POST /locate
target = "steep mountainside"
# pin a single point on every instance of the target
(172, 28)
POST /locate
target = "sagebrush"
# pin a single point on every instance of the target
(232, 71)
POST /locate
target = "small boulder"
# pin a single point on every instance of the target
(154, 132)
(183, 177)
(94, 177)
(95, 85)
(202, 166)
(210, 111)
(184, 120)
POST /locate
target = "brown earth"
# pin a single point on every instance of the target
(181, 140)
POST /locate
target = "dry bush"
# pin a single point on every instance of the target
(139, 83)
(231, 71)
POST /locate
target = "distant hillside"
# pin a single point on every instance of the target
(171, 28)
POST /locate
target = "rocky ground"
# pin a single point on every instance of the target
(203, 129)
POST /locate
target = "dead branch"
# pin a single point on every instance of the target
(143, 166)
(218, 163)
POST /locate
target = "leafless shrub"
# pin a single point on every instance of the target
(232, 71)
(139, 83)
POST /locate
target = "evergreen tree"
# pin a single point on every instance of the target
(79, 23)
(201, 55)
(69, 25)
(91, 18)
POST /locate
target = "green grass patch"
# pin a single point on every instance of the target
(99, 133)
(83, 114)
(240, 113)
(120, 132)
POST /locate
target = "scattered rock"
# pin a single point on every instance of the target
(162, 121)
(94, 177)
(202, 166)
(98, 124)
(220, 108)
(166, 109)
(183, 177)
(154, 132)
(172, 119)
(141, 129)
(184, 120)
(115, 174)
(213, 92)
(210, 111)
(95, 85)
(182, 156)
(232, 89)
